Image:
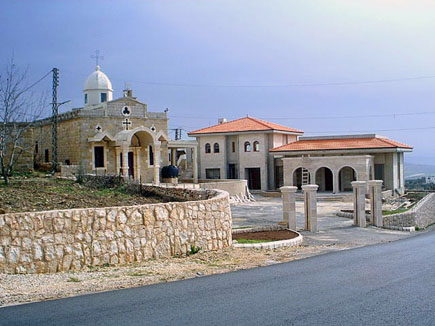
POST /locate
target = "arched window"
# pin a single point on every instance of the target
(247, 146)
(216, 147)
(207, 148)
(256, 146)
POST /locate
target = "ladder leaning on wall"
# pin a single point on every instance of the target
(305, 176)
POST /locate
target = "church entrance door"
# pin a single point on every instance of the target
(131, 164)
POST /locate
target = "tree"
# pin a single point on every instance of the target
(19, 109)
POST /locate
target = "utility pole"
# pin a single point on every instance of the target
(178, 134)
(54, 119)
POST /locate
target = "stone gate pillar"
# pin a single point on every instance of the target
(310, 207)
(289, 206)
(157, 149)
(359, 203)
(375, 189)
(194, 164)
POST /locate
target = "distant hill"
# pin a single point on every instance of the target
(418, 170)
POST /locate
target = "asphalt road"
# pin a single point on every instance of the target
(387, 284)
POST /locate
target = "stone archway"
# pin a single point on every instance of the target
(325, 179)
(346, 175)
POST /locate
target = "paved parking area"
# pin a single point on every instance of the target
(332, 229)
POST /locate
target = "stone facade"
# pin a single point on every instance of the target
(235, 155)
(421, 215)
(63, 240)
(80, 131)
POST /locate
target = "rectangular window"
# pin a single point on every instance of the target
(103, 97)
(151, 155)
(379, 171)
(233, 145)
(86, 98)
(36, 148)
(47, 156)
(99, 156)
(213, 173)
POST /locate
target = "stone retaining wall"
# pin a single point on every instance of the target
(74, 239)
(421, 215)
(237, 188)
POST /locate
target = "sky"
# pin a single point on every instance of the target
(324, 66)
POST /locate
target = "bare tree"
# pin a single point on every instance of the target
(19, 109)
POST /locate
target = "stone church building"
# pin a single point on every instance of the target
(113, 136)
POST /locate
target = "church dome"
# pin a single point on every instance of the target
(98, 80)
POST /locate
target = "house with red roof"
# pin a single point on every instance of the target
(269, 156)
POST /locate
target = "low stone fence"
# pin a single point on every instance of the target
(421, 215)
(74, 239)
(68, 171)
(237, 189)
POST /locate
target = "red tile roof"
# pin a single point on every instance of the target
(244, 124)
(337, 144)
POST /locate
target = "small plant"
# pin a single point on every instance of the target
(74, 280)
(194, 250)
(80, 174)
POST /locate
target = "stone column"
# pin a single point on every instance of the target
(195, 164)
(289, 206)
(375, 188)
(310, 207)
(335, 182)
(359, 203)
(118, 160)
(156, 149)
(138, 163)
(124, 161)
(173, 156)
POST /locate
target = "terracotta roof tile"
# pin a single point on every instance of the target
(243, 124)
(337, 144)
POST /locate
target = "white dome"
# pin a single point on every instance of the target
(98, 80)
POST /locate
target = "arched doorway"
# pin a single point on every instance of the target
(141, 156)
(324, 179)
(345, 178)
(301, 177)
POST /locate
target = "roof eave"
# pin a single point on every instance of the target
(230, 133)
(331, 151)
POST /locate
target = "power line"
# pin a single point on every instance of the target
(288, 85)
(362, 82)
(38, 81)
(322, 117)
(370, 131)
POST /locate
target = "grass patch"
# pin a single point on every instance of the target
(140, 274)
(74, 280)
(251, 241)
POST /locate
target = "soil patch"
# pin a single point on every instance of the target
(266, 235)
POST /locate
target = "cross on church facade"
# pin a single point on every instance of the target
(126, 124)
(97, 57)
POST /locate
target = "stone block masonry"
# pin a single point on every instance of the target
(421, 215)
(75, 239)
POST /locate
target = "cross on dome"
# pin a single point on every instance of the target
(97, 57)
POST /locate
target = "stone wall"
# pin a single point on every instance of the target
(421, 215)
(75, 239)
(237, 189)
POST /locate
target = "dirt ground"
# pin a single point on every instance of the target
(38, 194)
(266, 235)
(17, 289)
